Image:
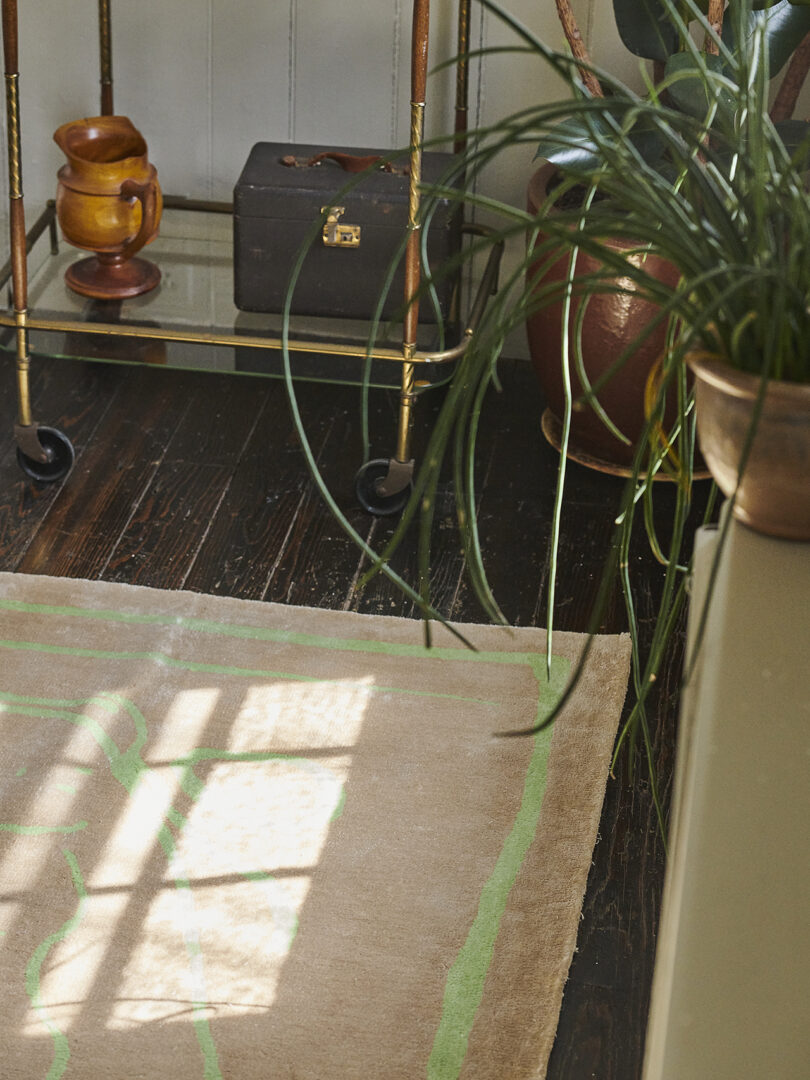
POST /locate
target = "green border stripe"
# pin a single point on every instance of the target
(465, 980)
(256, 633)
(219, 669)
(41, 830)
(33, 971)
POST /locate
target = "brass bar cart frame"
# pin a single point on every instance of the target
(383, 485)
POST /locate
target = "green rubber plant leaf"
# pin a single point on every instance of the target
(574, 146)
(645, 28)
(786, 23)
(692, 89)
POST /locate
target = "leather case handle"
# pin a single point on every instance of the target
(350, 163)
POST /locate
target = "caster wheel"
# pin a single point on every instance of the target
(365, 486)
(59, 449)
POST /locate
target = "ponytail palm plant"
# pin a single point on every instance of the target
(695, 170)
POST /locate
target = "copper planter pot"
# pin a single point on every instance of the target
(774, 494)
(612, 322)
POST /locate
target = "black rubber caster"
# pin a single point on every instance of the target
(60, 453)
(365, 486)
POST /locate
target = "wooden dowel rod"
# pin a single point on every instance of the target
(462, 77)
(419, 49)
(105, 57)
(10, 37)
(16, 212)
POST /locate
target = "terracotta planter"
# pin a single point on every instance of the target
(611, 323)
(774, 495)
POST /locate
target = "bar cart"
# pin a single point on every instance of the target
(383, 484)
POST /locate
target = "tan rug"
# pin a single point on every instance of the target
(249, 841)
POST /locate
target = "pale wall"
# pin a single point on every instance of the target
(205, 79)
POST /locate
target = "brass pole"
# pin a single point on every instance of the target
(462, 77)
(419, 55)
(19, 272)
(406, 403)
(105, 53)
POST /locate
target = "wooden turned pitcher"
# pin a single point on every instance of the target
(108, 201)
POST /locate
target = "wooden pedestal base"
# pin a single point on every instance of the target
(105, 277)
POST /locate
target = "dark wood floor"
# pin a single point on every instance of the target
(196, 481)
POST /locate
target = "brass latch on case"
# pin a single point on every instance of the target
(337, 235)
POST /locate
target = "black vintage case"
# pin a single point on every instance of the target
(276, 206)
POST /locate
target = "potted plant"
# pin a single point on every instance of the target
(733, 226)
(605, 432)
(718, 190)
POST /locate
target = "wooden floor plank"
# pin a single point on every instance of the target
(94, 505)
(318, 561)
(220, 418)
(169, 519)
(162, 538)
(383, 597)
(258, 518)
(72, 397)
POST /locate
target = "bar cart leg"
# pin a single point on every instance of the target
(384, 484)
(383, 487)
(43, 453)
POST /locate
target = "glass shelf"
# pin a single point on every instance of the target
(194, 251)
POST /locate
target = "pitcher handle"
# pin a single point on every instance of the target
(146, 194)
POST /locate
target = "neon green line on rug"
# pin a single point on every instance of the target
(266, 633)
(61, 1048)
(41, 830)
(465, 981)
(214, 669)
(127, 768)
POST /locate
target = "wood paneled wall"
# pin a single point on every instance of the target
(205, 79)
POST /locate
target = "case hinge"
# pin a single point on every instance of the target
(337, 235)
